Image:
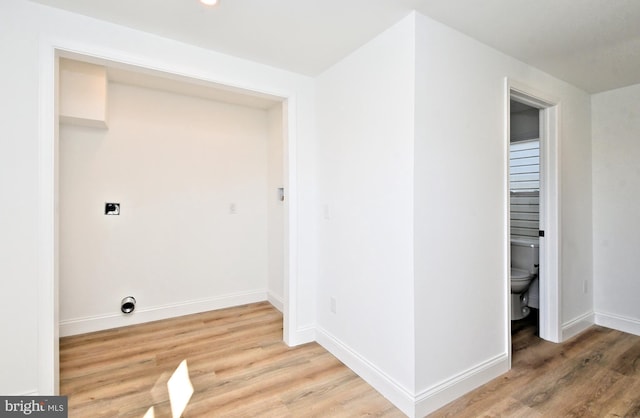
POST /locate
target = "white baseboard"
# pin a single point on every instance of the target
(29, 393)
(139, 316)
(276, 301)
(439, 395)
(390, 389)
(427, 400)
(304, 335)
(618, 322)
(577, 325)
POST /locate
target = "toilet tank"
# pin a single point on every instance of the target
(525, 254)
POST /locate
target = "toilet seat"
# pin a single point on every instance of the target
(519, 274)
(520, 280)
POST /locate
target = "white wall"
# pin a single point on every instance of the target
(365, 148)
(576, 214)
(176, 164)
(28, 36)
(399, 170)
(616, 204)
(18, 204)
(459, 213)
(460, 258)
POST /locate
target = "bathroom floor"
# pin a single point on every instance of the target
(527, 326)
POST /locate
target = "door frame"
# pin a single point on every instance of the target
(550, 258)
(50, 50)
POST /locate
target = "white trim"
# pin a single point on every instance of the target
(48, 327)
(437, 396)
(305, 334)
(618, 322)
(577, 325)
(275, 300)
(155, 313)
(30, 393)
(425, 401)
(387, 386)
(550, 257)
(47, 276)
(550, 289)
(290, 235)
(506, 273)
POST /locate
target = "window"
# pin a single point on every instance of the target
(524, 179)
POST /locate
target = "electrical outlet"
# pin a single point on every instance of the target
(233, 209)
(112, 208)
(333, 304)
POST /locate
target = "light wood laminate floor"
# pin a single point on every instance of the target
(595, 374)
(237, 362)
(240, 367)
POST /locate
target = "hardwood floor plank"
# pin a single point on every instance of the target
(628, 362)
(628, 404)
(598, 397)
(510, 407)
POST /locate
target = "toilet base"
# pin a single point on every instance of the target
(519, 308)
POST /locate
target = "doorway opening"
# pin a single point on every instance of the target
(197, 172)
(533, 202)
(524, 216)
(48, 224)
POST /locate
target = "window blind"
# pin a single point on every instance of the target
(524, 178)
(524, 166)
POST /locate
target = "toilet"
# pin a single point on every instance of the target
(524, 268)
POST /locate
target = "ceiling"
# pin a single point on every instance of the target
(593, 44)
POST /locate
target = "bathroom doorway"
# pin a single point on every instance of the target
(537, 110)
(524, 196)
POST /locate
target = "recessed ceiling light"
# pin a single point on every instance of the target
(209, 2)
